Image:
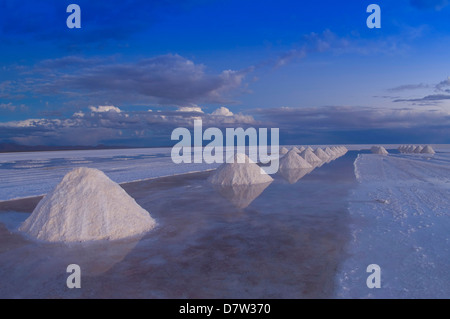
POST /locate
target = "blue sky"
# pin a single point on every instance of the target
(138, 69)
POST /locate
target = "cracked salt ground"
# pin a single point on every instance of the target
(287, 243)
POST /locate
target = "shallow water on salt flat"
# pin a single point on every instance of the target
(210, 243)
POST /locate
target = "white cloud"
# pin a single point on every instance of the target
(222, 111)
(197, 109)
(104, 108)
(78, 114)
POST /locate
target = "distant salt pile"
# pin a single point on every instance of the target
(283, 150)
(241, 171)
(293, 161)
(410, 149)
(301, 149)
(335, 150)
(379, 150)
(321, 154)
(310, 157)
(428, 150)
(418, 149)
(330, 152)
(86, 205)
(309, 148)
(295, 149)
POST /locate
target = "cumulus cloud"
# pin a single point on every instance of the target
(197, 109)
(222, 111)
(78, 114)
(109, 124)
(104, 108)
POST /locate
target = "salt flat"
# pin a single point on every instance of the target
(400, 220)
(37, 173)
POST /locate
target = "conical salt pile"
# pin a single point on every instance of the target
(337, 151)
(301, 149)
(330, 153)
(410, 149)
(321, 154)
(240, 171)
(310, 157)
(292, 160)
(295, 149)
(379, 150)
(428, 150)
(309, 148)
(418, 149)
(283, 150)
(87, 205)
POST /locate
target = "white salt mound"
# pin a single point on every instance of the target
(410, 149)
(283, 150)
(293, 161)
(86, 205)
(310, 157)
(301, 149)
(321, 154)
(240, 171)
(336, 151)
(329, 152)
(428, 150)
(418, 149)
(295, 149)
(379, 150)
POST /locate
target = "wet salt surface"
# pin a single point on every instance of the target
(287, 243)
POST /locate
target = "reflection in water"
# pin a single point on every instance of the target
(241, 196)
(287, 244)
(292, 175)
(106, 254)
